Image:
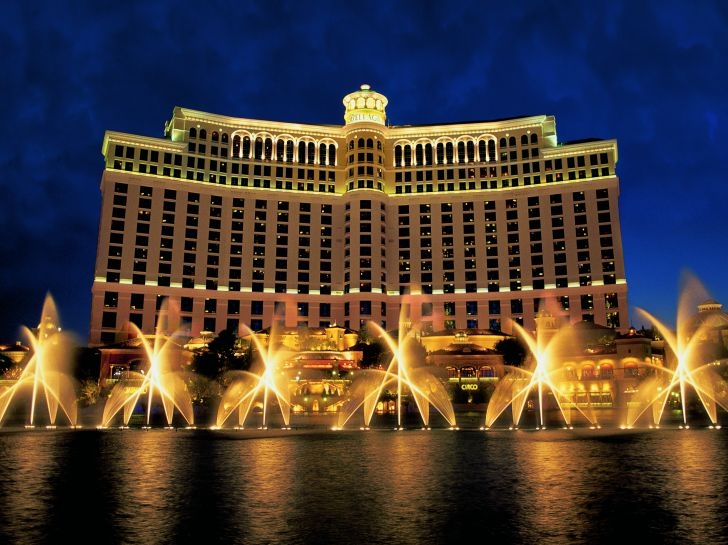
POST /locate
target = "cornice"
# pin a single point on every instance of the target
(577, 148)
(237, 123)
(447, 129)
(410, 131)
(150, 142)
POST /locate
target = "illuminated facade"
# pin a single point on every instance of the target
(243, 223)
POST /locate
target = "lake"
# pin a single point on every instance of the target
(315, 486)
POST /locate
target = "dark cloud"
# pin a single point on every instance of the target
(648, 74)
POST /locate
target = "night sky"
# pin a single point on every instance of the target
(650, 74)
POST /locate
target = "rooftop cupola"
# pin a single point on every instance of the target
(365, 106)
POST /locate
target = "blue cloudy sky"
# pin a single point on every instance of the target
(650, 74)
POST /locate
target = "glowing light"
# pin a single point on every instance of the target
(247, 387)
(163, 382)
(547, 373)
(689, 370)
(46, 374)
(422, 383)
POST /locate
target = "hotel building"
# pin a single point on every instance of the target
(243, 223)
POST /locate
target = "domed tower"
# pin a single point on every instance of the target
(366, 205)
(365, 106)
(365, 118)
(547, 325)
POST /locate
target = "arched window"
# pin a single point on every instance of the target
(246, 147)
(467, 371)
(311, 153)
(419, 152)
(322, 154)
(470, 148)
(483, 150)
(215, 136)
(280, 150)
(449, 153)
(193, 132)
(332, 154)
(203, 134)
(461, 152)
(428, 154)
(302, 152)
(397, 155)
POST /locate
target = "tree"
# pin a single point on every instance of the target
(513, 351)
(374, 354)
(5, 364)
(87, 364)
(206, 363)
(224, 353)
(203, 390)
(89, 392)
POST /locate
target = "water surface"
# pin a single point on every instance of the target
(352, 487)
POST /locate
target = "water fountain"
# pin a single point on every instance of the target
(46, 377)
(544, 372)
(163, 381)
(249, 390)
(689, 368)
(402, 373)
(544, 384)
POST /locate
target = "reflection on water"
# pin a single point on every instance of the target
(25, 499)
(410, 487)
(697, 489)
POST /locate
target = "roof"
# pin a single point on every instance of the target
(464, 349)
(467, 332)
(302, 330)
(136, 342)
(15, 347)
(710, 315)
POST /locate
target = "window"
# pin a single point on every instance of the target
(108, 319)
(137, 301)
(111, 299)
(256, 324)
